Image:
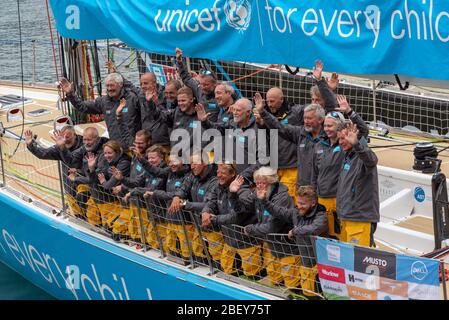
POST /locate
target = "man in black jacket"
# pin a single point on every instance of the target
(76, 159)
(76, 194)
(107, 106)
(193, 196)
(308, 219)
(203, 89)
(223, 211)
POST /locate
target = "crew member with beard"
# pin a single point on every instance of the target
(242, 134)
(68, 139)
(147, 81)
(76, 160)
(107, 106)
(308, 219)
(148, 84)
(304, 137)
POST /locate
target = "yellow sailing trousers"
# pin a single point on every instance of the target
(251, 259)
(93, 213)
(308, 280)
(215, 241)
(357, 233)
(288, 177)
(285, 269)
(191, 236)
(331, 208)
(134, 230)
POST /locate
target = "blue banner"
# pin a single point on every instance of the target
(359, 37)
(359, 273)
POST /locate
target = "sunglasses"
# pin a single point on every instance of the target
(206, 72)
(336, 115)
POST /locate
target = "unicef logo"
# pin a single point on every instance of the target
(418, 270)
(238, 14)
(420, 196)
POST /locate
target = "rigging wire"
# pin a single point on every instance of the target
(22, 81)
(52, 41)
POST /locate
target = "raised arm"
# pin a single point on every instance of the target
(328, 96)
(51, 153)
(90, 107)
(186, 77)
(343, 106)
(365, 154)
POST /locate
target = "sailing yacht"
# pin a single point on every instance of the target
(72, 259)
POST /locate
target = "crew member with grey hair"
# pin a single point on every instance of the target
(280, 257)
(225, 96)
(328, 158)
(304, 137)
(76, 159)
(107, 106)
(71, 141)
(242, 131)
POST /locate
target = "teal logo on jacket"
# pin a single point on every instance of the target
(193, 124)
(336, 149)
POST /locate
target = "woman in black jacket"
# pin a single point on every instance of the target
(102, 181)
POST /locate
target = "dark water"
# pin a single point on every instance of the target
(15, 287)
(37, 56)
